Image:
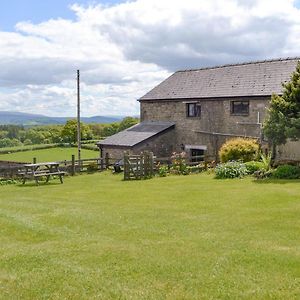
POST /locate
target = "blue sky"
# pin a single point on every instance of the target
(36, 11)
(123, 51)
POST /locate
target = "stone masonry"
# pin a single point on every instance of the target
(215, 125)
(161, 145)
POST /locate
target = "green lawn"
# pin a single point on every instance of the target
(52, 154)
(179, 237)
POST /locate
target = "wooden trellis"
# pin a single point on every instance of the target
(138, 167)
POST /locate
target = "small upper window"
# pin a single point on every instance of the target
(193, 110)
(240, 107)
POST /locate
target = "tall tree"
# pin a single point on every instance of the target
(69, 131)
(283, 121)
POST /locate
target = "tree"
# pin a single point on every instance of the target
(35, 136)
(283, 121)
(7, 142)
(69, 131)
(110, 129)
(127, 122)
(97, 130)
(3, 134)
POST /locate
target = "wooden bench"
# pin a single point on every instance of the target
(36, 171)
(48, 174)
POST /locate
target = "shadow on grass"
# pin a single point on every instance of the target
(33, 184)
(276, 181)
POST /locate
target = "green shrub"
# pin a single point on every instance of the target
(287, 172)
(253, 166)
(266, 160)
(231, 169)
(163, 170)
(239, 149)
(197, 168)
(27, 142)
(4, 181)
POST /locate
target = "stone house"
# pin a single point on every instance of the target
(198, 110)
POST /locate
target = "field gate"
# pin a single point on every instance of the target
(139, 166)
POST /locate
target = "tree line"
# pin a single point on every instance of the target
(15, 135)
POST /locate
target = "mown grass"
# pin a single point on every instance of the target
(52, 154)
(184, 237)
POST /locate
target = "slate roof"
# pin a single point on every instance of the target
(136, 134)
(260, 78)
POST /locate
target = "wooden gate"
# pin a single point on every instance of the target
(138, 166)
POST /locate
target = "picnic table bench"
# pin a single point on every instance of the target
(38, 170)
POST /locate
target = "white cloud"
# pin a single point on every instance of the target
(126, 49)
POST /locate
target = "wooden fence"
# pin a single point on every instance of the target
(138, 166)
(190, 160)
(10, 169)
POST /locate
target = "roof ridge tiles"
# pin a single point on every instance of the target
(241, 64)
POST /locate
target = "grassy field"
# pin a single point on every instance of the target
(24, 147)
(52, 154)
(184, 237)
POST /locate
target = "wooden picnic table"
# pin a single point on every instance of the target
(38, 170)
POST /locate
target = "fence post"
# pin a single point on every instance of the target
(73, 165)
(34, 160)
(151, 164)
(102, 160)
(126, 166)
(140, 166)
(106, 160)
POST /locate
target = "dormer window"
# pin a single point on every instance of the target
(240, 108)
(193, 110)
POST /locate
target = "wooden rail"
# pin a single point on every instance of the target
(11, 169)
(138, 166)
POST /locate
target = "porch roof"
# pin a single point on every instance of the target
(136, 134)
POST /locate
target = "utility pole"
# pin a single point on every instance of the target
(78, 119)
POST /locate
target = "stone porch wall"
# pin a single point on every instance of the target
(161, 145)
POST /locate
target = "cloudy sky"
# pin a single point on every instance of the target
(125, 48)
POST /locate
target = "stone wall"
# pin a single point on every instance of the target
(161, 145)
(115, 152)
(289, 151)
(215, 125)
(215, 117)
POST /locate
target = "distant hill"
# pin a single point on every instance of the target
(18, 118)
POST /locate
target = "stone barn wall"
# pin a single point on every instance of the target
(215, 117)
